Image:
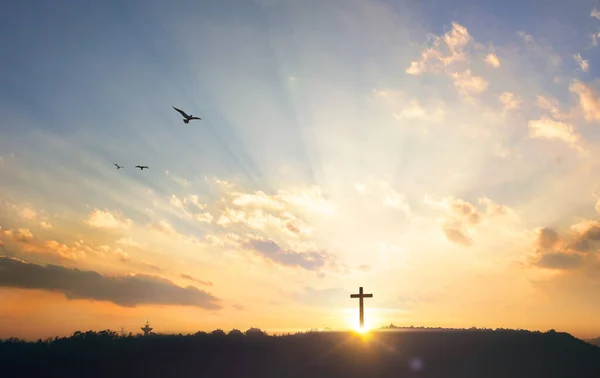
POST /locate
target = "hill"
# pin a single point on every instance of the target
(595, 341)
(448, 354)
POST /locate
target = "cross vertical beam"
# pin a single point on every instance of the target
(361, 304)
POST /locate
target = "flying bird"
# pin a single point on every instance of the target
(118, 166)
(187, 118)
(142, 167)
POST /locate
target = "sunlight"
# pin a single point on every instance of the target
(362, 331)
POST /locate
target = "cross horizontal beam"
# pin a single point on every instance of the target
(361, 295)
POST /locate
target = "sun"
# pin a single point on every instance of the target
(360, 330)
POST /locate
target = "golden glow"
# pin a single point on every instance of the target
(285, 227)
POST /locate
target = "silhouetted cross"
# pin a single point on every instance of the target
(360, 297)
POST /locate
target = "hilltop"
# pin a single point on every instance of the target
(595, 341)
(446, 353)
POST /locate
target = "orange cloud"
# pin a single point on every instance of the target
(492, 60)
(546, 128)
(588, 100)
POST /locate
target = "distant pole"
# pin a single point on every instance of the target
(361, 305)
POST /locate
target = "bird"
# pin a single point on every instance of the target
(141, 167)
(187, 118)
(118, 166)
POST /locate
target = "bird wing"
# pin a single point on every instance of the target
(195, 118)
(181, 112)
(137, 166)
(116, 165)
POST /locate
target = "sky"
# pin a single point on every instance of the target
(443, 155)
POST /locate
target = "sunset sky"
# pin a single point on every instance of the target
(441, 154)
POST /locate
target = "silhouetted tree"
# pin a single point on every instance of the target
(255, 332)
(235, 332)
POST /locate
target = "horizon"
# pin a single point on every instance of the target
(291, 331)
(443, 156)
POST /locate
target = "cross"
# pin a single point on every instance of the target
(360, 297)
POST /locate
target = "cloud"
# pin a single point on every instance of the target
(191, 207)
(462, 217)
(123, 256)
(204, 217)
(181, 181)
(152, 266)
(571, 251)
(129, 242)
(279, 212)
(456, 43)
(258, 199)
(23, 235)
(28, 213)
(128, 291)
(28, 243)
(405, 108)
(561, 260)
(547, 238)
(456, 235)
(510, 100)
(551, 105)
(595, 38)
(588, 100)
(583, 64)
(162, 227)
(547, 128)
(492, 60)
(45, 225)
(397, 201)
(467, 83)
(414, 110)
(434, 60)
(190, 278)
(545, 52)
(105, 219)
(595, 13)
(270, 250)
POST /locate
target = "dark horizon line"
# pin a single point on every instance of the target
(384, 329)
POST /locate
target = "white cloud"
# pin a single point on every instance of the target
(492, 60)
(547, 128)
(105, 219)
(583, 64)
(595, 13)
